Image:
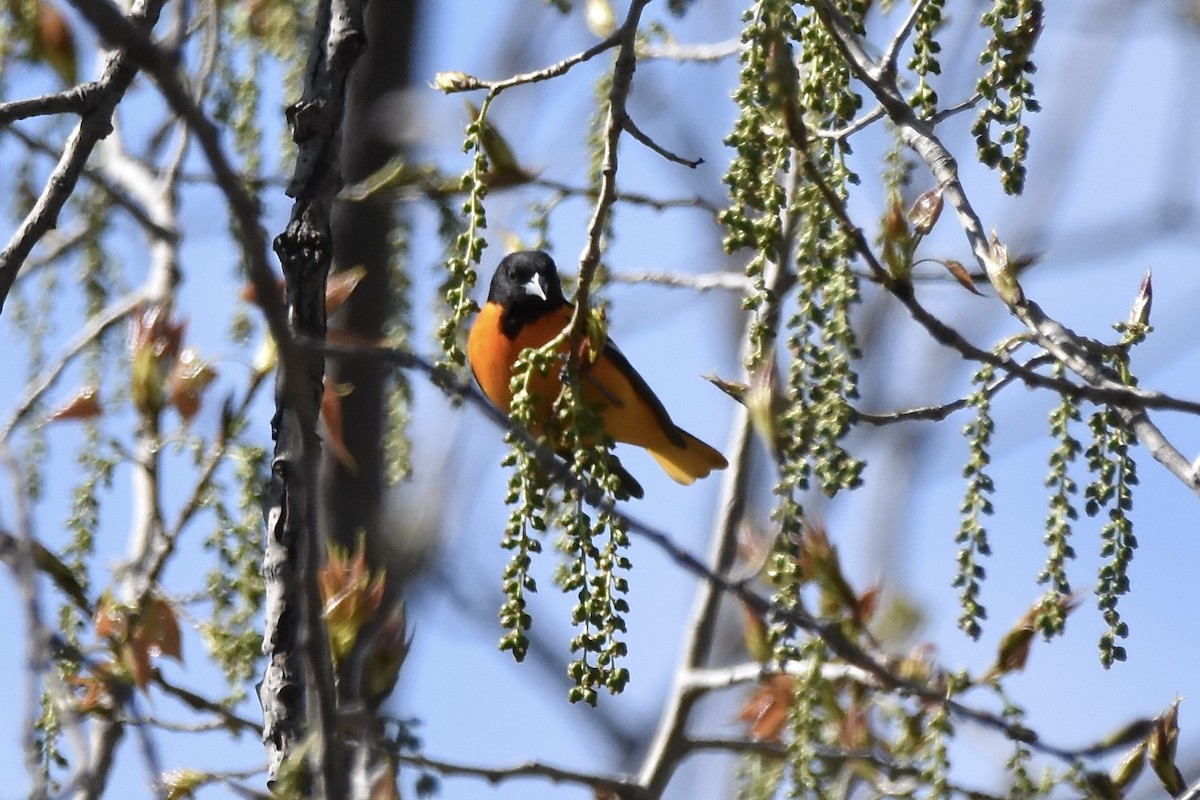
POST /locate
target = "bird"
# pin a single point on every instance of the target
(526, 308)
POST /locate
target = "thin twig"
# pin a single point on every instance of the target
(198, 702)
(468, 83)
(737, 744)
(622, 80)
(957, 108)
(58, 246)
(115, 193)
(620, 787)
(887, 61)
(700, 282)
(940, 412)
(212, 461)
(632, 198)
(694, 53)
(96, 326)
(633, 130)
(857, 125)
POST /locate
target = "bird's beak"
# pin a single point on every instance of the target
(534, 287)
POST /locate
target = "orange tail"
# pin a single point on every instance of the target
(685, 464)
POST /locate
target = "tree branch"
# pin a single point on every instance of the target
(298, 691)
(469, 83)
(618, 787)
(694, 53)
(622, 81)
(37, 657)
(76, 100)
(96, 123)
(96, 326)
(726, 281)
(1061, 342)
(888, 60)
(633, 130)
(669, 746)
(290, 561)
(870, 669)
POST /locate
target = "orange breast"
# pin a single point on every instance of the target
(492, 354)
(626, 415)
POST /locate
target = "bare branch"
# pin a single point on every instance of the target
(700, 282)
(669, 745)
(622, 81)
(1192, 793)
(713, 679)
(119, 197)
(857, 125)
(95, 124)
(140, 50)
(736, 745)
(636, 132)
(468, 83)
(198, 702)
(888, 59)
(695, 53)
(632, 198)
(620, 787)
(96, 326)
(1162, 450)
(940, 412)
(76, 100)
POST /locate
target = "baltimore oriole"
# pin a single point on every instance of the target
(526, 308)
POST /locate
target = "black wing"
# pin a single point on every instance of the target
(613, 353)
